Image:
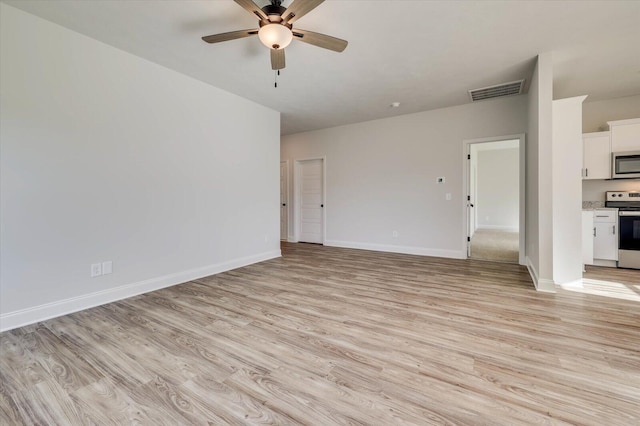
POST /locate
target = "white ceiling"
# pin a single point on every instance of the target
(423, 54)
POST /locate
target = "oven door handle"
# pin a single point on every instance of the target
(629, 213)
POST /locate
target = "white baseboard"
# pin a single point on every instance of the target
(607, 263)
(541, 284)
(47, 311)
(421, 251)
(532, 272)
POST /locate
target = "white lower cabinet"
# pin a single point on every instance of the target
(605, 239)
(587, 237)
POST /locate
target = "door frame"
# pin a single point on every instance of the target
(296, 196)
(286, 165)
(473, 191)
(466, 164)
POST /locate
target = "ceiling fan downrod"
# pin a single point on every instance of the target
(274, 11)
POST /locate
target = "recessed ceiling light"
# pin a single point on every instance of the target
(395, 104)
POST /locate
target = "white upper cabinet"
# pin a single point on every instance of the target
(625, 135)
(596, 156)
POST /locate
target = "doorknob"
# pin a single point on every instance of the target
(322, 205)
(471, 205)
(284, 204)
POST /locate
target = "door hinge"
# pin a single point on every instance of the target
(468, 197)
(468, 156)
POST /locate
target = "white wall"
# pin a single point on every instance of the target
(539, 214)
(567, 196)
(381, 175)
(595, 115)
(595, 190)
(532, 242)
(106, 156)
(497, 202)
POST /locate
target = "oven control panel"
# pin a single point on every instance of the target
(623, 196)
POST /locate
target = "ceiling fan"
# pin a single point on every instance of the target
(276, 28)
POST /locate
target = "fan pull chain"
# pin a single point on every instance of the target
(275, 83)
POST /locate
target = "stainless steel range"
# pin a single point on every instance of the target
(628, 205)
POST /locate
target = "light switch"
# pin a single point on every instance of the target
(107, 267)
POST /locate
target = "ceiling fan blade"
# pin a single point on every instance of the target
(217, 38)
(277, 59)
(253, 8)
(298, 9)
(320, 40)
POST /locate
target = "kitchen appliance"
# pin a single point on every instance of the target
(625, 165)
(628, 205)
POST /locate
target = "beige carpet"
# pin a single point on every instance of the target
(495, 245)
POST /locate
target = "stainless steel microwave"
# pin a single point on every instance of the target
(625, 165)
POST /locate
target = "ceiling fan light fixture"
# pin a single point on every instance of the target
(276, 24)
(275, 36)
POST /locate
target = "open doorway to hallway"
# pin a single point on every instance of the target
(494, 200)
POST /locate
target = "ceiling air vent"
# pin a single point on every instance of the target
(497, 91)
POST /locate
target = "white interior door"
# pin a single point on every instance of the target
(284, 195)
(472, 199)
(311, 203)
(471, 194)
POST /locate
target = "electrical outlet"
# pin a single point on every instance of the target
(96, 270)
(107, 267)
(395, 234)
(448, 196)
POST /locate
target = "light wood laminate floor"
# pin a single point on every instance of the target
(334, 336)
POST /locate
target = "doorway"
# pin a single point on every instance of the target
(284, 200)
(309, 177)
(495, 199)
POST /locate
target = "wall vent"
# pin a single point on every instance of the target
(497, 91)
